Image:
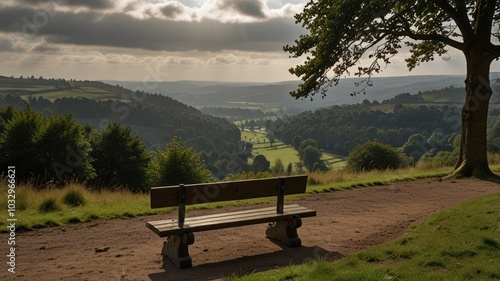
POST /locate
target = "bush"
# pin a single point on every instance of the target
(49, 205)
(374, 155)
(178, 163)
(120, 158)
(74, 197)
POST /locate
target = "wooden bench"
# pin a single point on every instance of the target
(284, 219)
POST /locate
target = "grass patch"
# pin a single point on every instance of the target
(74, 196)
(49, 205)
(339, 180)
(450, 245)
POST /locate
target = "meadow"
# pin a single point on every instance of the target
(287, 154)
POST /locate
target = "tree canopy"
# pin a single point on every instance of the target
(343, 33)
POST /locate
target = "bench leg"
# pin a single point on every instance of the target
(285, 231)
(175, 247)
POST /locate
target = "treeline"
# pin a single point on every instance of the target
(235, 113)
(341, 128)
(156, 118)
(51, 151)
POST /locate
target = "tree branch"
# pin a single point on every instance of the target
(485, 18)
(459, 16)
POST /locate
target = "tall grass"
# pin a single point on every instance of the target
(77, 203)
(37, 208)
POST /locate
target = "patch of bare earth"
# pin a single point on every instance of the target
(346, 222)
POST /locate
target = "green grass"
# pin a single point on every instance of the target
(461, 243)
(285, 152)
(85, 92)
(339, 180)
(43, 208)
(122, 204)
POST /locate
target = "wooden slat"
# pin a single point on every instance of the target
(168, 196)
(203, 223)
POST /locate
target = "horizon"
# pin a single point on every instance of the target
(193, 40)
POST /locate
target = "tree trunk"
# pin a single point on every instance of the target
(472, 161)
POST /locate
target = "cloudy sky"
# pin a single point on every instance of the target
(224, 40)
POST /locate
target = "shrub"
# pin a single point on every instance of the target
(374, 155)
(49, 205)
(178, 163)
(74, 197)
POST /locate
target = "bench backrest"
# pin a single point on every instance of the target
(168, 196)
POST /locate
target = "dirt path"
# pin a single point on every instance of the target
(346, 222)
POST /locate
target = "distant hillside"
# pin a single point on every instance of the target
(275, 96)
(156, 118)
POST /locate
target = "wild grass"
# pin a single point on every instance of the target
(75, 203)
(341, 179)
(461, 243)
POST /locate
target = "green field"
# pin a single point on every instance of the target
(84, 92)
(285, 152)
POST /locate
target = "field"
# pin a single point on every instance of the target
(285, 152)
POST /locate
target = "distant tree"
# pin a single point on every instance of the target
(18, 143)
(494, 138)
(300, 166)
(306, 143)
(260, 164)
(270, 137)
(178, 163)
(341, 34)
(278, 168)
(289, 169)
(63, 150)
(6, 113)
(374, 155)
(296, 141)
(416, 146)
(311, 156)
(120, 158)
(44, 149)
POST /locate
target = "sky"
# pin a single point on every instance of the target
(216, 40)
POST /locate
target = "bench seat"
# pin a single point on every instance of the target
(165, 228)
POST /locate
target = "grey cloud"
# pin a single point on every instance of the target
(92, 4)
(250, 8)
(172, 9)
(6, 45)
(121, 30)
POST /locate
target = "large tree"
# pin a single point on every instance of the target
(343, 33)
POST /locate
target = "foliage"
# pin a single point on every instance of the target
(177, 163)
(74, 197)
(49, 205)
(494, 138)
(156, 118)
(374, 155)
(342, 33)
(260, 163)
(120, 158)
(45, 149)
(278, 168)
(310, 156)
(341, 128)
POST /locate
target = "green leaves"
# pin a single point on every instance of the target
(178, 163)
(343, 32)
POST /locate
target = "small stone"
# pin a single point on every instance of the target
(102, 249)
